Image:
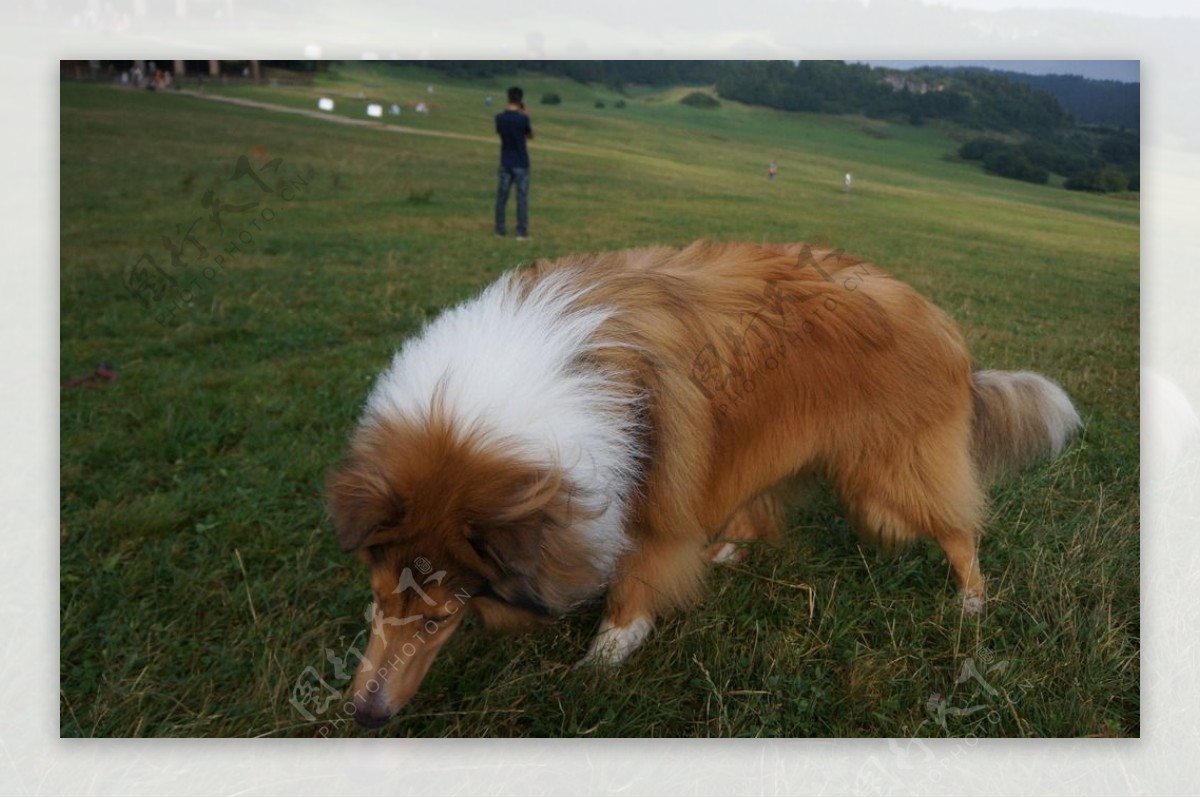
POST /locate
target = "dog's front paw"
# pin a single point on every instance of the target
(726, 553)
(613, 644)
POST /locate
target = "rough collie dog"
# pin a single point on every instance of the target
(613, 423)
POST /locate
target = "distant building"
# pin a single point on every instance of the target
(901, 83)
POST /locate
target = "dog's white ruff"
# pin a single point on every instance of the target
(513, 371)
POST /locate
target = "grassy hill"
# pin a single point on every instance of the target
(200, 581)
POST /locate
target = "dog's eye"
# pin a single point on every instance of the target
(436, 620)
(384, 526)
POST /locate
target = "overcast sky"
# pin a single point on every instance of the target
(1125, 71)
(1149, 9)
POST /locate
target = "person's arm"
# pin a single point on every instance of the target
(528, 129)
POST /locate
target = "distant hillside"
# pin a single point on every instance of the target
(976, 100)
(1026, 127)
(1018, 126)
(1092, 102)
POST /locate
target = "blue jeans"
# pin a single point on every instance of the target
(508, 176)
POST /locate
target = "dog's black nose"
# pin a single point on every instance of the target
(368, 719)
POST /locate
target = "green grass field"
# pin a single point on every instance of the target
(201, 586)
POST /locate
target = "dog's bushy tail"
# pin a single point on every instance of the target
(1019, 416)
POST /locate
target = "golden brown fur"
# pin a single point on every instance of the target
(755, 364)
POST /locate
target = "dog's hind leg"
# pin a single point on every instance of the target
(961, 549)
(929, 488)
(761, 518)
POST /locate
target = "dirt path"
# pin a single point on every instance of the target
(328, 117)
(591, 151)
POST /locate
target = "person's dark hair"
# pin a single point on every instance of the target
(515, 95)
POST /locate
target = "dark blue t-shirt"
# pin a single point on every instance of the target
(513, 127)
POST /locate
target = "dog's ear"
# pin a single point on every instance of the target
(361, 502)
(513, 556)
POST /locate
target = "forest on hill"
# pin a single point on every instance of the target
(1092, 102)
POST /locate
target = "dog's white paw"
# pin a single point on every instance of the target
(725, 553)
(613, 644)
(973, 605)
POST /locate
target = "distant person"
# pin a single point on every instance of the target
(772, 170)
(847, 182)
(487, 101)
(512, 125)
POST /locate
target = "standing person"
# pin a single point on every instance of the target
(772, 170)
(512, 125)
(847, 182)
